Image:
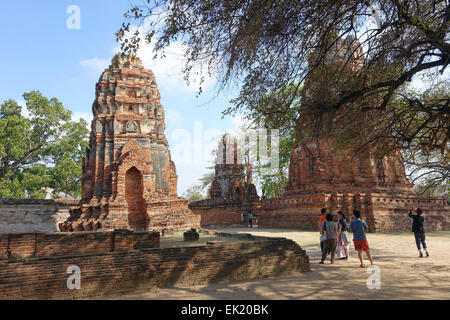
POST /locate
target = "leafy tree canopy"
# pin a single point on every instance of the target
(269, 46)
(41, 150)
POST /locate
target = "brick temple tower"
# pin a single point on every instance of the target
(129, 180)
(322, 177)
(315, 167)
(232, 191)
(233, 180)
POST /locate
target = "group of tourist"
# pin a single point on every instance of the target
(334, 235)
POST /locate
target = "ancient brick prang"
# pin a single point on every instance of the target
(232, 187)
(233, 180)
(129, 180)
(322, 177)
(316, 168)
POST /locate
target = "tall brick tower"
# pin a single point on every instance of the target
(316, 167)
(322, 177)
(232, 191)
(233, 180)
(129, 180)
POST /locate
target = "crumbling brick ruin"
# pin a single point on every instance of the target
(320, 177)
(129, 180)
(232, 188)
(111, 263)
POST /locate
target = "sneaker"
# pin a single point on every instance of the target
(427, 254)
(421, 255)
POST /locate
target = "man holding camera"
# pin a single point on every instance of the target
(419, 232)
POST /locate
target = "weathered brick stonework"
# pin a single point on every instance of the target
(41, 245)
(316, 168)
(219, 212)
(321, 177)
(233, 180)
(30, 215)
(139, 269)
(129, 180)
(232, 191)
(382, 212)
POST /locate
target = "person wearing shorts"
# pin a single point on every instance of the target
(359, 229)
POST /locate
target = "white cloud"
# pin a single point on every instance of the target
(25, 113)
(95, 64)
(169, 69)
(240, 124)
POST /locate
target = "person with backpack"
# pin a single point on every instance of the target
(419, 232)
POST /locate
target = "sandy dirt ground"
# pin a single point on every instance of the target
(402, 274)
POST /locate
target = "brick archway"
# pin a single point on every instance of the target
(137, 213)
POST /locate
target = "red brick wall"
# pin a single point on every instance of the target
(382, 212)
(397, 220)
(39, 245)
(221, 212)
(112, 273)
(219, 216)
(289, 218)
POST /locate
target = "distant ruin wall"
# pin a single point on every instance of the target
(27, 215)
(382, 212)
(213, 212)
(137, 268)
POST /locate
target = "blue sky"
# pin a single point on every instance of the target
(39, 52)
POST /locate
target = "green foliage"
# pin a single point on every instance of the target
(200, 191)
(196, 196)
(195, 193)
(430, 172)
(434, 191)
(359, 73)
(43, 150)
(286, 122)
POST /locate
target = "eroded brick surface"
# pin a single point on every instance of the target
(33, 215)
(129, 180)
(112, 263)
(232, 192)
(321, 177)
